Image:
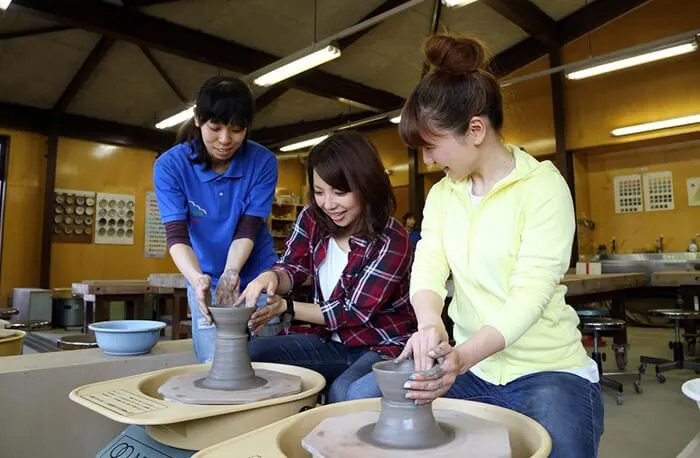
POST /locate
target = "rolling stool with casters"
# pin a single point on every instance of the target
(619, 349)
(604, 324)
(679, 360)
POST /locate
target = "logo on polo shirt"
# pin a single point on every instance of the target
(196, 210)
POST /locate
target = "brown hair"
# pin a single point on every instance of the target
(349, 162)
(457, 89)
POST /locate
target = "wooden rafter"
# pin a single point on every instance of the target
(528, 17)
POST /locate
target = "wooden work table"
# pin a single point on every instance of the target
(178, 285)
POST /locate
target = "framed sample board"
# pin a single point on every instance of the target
(114, 219)
(73, 216)
(154, 241)
(693, 192)
(628, 194)
(658, 191)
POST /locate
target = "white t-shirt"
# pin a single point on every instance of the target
(330, 270)
(590, 372)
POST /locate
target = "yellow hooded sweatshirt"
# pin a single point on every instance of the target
(507, 257)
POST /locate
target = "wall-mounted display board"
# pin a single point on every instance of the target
(628, 194)
(154, 241)
(694, 192)
(73, 215)
(658, 191)
(114, 219)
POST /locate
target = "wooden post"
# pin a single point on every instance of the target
(49, 184)
(565, 159)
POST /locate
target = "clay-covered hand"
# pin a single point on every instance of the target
(266, 281)
(202, 288)
(422, 341)
(227, 289)
(426, 386)
(276, 306)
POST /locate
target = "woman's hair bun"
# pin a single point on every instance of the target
(455, 55)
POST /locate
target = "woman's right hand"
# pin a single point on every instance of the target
(202, 287)
(427, 338)
(266, 281)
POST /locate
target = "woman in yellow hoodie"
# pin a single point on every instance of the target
(503, 224)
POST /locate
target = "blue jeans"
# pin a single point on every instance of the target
(569, 407)
(343, 368)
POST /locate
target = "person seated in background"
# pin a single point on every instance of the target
(359, 258)
(409, 222)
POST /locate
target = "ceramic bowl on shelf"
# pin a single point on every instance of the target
(127, 337)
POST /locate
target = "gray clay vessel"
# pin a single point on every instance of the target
(231, 368)
(401, 423)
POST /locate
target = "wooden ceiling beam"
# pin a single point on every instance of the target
(141, 29)
(574, 26)
(277, 134)
(21, 117)
(34, 32)
(84, 73)
(163, 74)
(528, 17)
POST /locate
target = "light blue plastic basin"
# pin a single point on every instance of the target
(127, 337)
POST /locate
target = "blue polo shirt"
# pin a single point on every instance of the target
(212, 203)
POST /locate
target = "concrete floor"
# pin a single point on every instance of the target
(657, 423)
(660, 421)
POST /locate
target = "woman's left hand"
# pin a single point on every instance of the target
(228, 288)
(276, 306)
(426, 386)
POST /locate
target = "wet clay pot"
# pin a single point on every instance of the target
(401, 423)
(231, 368)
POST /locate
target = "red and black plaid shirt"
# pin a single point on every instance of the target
(369, 306)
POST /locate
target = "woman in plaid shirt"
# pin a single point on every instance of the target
(359, 258)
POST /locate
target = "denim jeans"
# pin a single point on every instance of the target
(203, 333)
(342, 367)
(569, 407)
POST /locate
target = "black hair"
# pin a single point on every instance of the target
(223, 100)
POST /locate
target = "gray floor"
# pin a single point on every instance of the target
(660, 421)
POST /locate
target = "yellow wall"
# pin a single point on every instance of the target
(84, 166)
(292, 176)
(638, 231)
(21, 237)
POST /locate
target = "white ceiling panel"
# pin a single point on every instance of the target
(125, 88)
(558, 9)
(296, 106)
(13, 21)
(35, 70)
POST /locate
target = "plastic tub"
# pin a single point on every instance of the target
(11, 341)
(691, 388)
(127, 337)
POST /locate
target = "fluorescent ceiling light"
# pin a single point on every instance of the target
(4, 4)
(456, 3)
(304, 144)
(395, 119)
(297, 66)
(639, 59)
(665, 124)
(176, 119)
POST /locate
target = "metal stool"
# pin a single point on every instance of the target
(619, 349)
(6, 313)
(76, 342)
(679, 360)
(602, 324)
(29, 325)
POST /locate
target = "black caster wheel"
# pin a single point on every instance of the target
(603, 357)
(642, 368)
(637, 387)
(661, 378)
(620, 400)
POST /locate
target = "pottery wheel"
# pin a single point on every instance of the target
(473, 437)
(185, 388)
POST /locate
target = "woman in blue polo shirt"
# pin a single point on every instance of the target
(215, 189)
